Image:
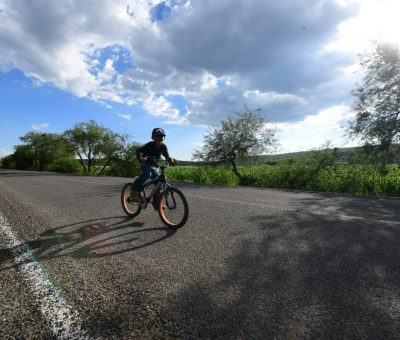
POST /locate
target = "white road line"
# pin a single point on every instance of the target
(63, 320)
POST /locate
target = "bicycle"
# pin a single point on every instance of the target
(172, 205)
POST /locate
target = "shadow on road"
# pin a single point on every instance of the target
(91, 239)
(17, 173)
(302, 275)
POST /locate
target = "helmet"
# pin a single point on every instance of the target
(157, 131)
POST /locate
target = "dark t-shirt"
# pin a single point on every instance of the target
(150, 150)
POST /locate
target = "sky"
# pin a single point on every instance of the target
(185, 65)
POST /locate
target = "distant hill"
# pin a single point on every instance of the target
(344, 155)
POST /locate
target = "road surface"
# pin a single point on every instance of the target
(250, 263)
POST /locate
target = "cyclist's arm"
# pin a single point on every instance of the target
(166, 155)
(142, 154)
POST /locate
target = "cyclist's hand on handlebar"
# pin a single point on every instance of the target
(173, 162)
(143, 159)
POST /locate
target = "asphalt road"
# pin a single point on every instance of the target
(250, 263)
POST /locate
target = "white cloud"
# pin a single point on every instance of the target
(378, 20)
(4, 152)
(125, 116)
(161, 107)
(328, 125)
(297, 62)
(219, 55)
(38, 127)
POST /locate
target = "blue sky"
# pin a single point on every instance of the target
(132, 65)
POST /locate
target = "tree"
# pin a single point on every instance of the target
(377, 103)
(125, 164)
(23, 157)
(47, 147)
(95, 145)
(33, 140)
(241, 136)
(112, 146)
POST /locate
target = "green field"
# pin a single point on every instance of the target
(298, 175)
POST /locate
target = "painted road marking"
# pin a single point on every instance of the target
(63, 320)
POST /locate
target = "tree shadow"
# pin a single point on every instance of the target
(303, 275)
(29, 173)
(100, 192)
(342, 204)
(89, 239)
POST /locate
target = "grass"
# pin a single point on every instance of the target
(353, 179)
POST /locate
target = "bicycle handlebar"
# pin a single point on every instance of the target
(157, 161)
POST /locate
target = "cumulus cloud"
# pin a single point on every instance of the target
(218, 54)
(315, 129)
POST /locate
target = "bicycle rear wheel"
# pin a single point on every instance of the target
(173, 208)
(131, 206)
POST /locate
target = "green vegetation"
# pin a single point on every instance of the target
(377, 104)
(99, 150)
(350, 170)
(95, 145)
(299, 175)
(238, 137)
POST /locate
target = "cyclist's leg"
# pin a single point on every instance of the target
(137, 185)
(156, 198)
(154, 173)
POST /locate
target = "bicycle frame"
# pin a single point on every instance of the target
(159, 182)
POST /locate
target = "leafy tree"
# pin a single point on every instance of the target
(125, 164)
(240, 136)
(46, 147)
(8, 162)
(23, 157)
(95, 145)
(112, 146)
(33, 139)
(377, 103)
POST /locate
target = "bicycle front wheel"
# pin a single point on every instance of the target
(130, 205)
(173, 208)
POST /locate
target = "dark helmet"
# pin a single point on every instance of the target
(157, 131)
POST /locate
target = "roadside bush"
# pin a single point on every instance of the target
(203, 174)
(123, 168)
(300, 175)
(65, 165)
(8, 162)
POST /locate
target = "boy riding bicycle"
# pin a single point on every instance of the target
(147, 156)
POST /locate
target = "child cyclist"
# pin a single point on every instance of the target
(147, 156)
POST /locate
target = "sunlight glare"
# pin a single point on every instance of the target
(377, 21)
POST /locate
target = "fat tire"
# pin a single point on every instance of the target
(126, 190)
(163, 218)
